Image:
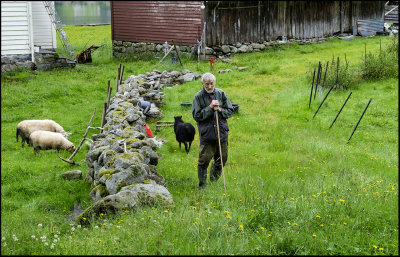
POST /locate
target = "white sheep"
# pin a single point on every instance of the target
(26, 127)
(44, 140)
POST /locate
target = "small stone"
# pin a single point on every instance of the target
(242, 68)
(71, 175)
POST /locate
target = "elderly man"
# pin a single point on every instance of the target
(208, 103)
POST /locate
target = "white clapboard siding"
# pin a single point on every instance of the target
(44, 33)
(15, 28)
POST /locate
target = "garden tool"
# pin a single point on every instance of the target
(220, 151)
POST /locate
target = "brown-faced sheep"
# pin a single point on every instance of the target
(184, 132)
(44, 140)
(26, 127)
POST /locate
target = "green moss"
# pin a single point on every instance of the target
(146, 181)
(126, 155)
(111, 161)
(139, 156)
(132, 140)
(102, 189)
(131, 185)
(106, 171)
(119, 108)
(121, 185)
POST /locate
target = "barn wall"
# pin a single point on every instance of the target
(157, 21)
(44, 33)
(14, 28)
(228, 22)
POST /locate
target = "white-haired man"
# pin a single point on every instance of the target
(206, 103)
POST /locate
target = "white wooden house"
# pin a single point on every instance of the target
(25, 28)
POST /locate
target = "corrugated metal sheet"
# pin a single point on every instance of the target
(157, 21)
(369, 27)
(393, 13)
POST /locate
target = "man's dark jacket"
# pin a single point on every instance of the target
(205, 116)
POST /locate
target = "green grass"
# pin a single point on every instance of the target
(293, 185)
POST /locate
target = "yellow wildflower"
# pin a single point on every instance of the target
(380, 249)
(314, 235)
(241, 227)
(262, 228)
(341, 200)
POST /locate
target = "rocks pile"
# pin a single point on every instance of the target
(122, 159)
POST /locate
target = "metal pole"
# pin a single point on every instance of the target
(323, 101)
(312, 85)
(326, 69)
(359, 120)
(220, 150)
(340, 110)
(318, 75)
(337, 71)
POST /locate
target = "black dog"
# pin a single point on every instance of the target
(184, 132)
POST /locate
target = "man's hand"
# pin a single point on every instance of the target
(215, 105)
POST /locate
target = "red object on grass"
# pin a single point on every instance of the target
(148, 131)
(212, 63)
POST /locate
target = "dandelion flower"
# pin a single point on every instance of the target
(99, 240)
(380, 249)
(341, 200)
(322, 225)
(314, 235)
(166, 211)
(229, 216)
(241, 227)
(262, 228)
(295, 224)
(227, 212)
(208, 228)
(345, 223)
(269, 235)
(374, 246)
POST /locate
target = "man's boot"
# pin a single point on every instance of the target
(214, 173)
(202, 174)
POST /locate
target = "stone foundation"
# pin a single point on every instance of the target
(124, 48)
(44, 60)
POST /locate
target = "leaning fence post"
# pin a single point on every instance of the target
(103, 118)
(326, 69)
(117, 79)
(312, 84)
(108, 93)
(340, 110)
(323, 101)
(318, 75)
(122, 74)
(359, 120)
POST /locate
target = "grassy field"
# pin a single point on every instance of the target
(293, 185)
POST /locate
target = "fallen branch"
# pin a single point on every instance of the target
(69, 160)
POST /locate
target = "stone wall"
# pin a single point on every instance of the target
(123, 48)
(44, 60)
(122, 158)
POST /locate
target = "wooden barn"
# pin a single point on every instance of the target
(229, 22)
(25, 28)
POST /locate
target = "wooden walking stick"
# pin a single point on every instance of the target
(220, 150)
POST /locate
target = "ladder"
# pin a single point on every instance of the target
(49, 5)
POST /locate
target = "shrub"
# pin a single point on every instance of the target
(382, 65)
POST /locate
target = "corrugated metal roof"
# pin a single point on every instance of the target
(369, 27)
(157, 21)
